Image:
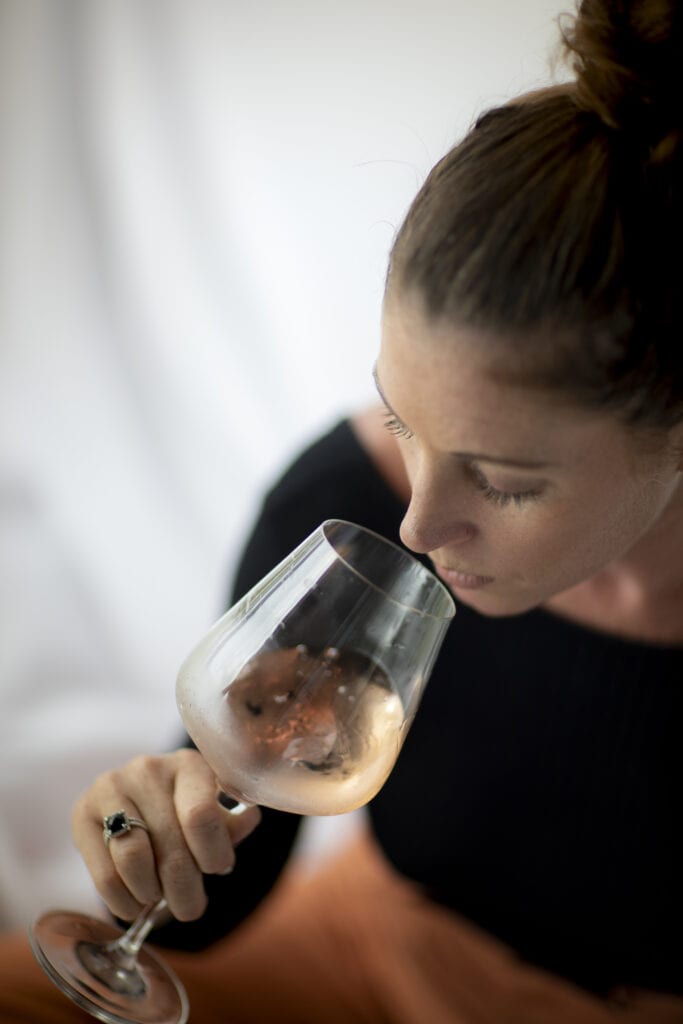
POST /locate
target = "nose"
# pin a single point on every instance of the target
(434, 518)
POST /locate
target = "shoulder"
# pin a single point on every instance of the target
(335, 461)
(336, 477)
(357, 456)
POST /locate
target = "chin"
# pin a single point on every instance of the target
(493, 605)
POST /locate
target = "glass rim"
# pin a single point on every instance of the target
(436, 582)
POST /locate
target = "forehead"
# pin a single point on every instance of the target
(445, 383)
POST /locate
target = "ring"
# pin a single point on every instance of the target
(117, 824)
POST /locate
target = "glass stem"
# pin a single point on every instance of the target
(130, 942)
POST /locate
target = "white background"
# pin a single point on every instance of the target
(197, 199)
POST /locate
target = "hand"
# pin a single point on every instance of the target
(190, 834)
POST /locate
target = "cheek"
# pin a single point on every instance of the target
(559, 539)
(571, 541)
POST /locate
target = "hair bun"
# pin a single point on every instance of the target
(628, 59)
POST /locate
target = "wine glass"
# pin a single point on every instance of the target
(299, 698)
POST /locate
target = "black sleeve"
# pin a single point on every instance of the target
(333, 478)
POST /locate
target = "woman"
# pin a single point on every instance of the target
(524, 857)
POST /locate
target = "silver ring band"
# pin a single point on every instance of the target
(119, 824)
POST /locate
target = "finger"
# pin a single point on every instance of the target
(242, 822)
(133, 858)
(202, 821)
(87, 826)
(211, 832)
(153, 780)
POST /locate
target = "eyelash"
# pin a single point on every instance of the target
(395, 427)
(501, 498)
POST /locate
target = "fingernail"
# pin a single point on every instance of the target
(228, 871)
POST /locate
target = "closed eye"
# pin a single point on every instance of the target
(502, 497)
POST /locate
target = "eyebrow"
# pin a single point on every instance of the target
(468, 456)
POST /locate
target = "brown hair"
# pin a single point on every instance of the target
(555, 224)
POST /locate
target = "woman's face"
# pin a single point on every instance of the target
(516, 496)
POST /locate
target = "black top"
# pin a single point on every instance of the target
(538, 791)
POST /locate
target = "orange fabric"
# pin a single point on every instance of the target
(352, 943)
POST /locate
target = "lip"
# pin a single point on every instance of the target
(462, 580)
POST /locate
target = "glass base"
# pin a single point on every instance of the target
(72, 949)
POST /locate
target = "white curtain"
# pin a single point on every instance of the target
(197, 198)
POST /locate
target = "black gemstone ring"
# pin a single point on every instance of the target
(118, 824)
